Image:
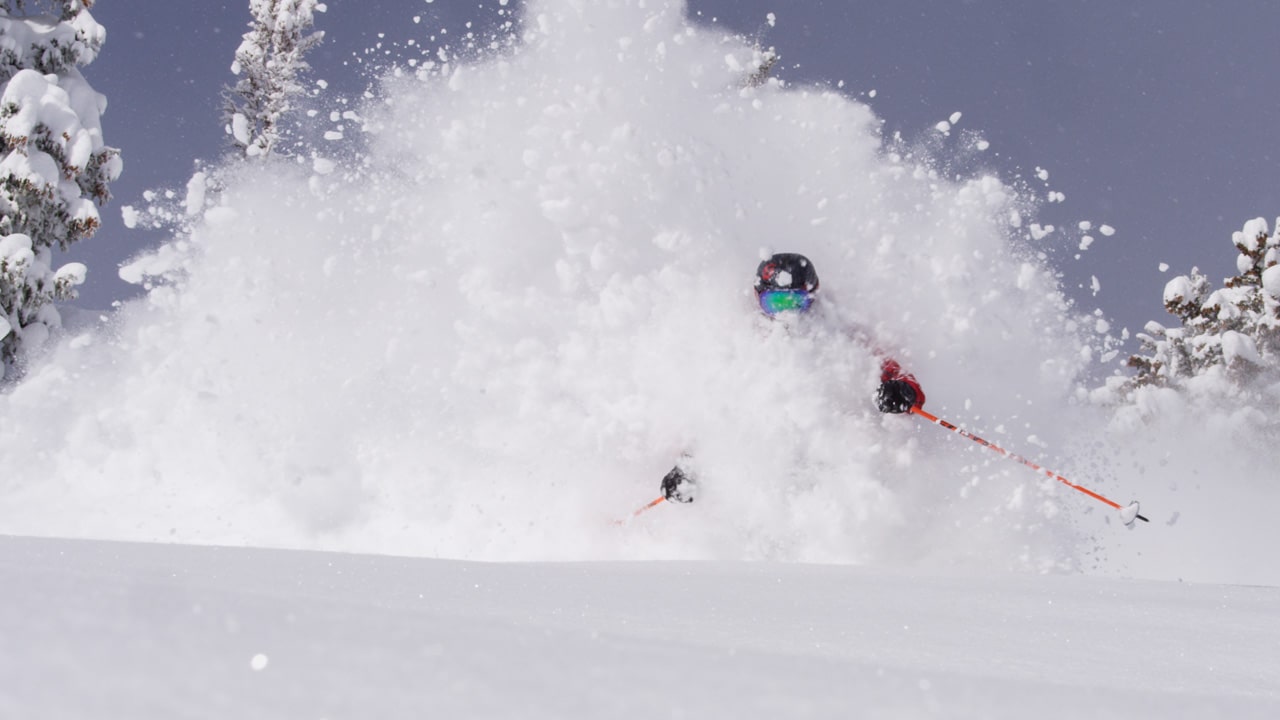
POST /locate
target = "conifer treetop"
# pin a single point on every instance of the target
(269, 62)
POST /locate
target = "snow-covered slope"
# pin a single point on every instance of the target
(110, 630)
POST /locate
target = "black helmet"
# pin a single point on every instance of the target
(786, 271)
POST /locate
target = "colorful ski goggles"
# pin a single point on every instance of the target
(776, 301)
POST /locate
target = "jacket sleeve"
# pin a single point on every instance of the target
(891, 370)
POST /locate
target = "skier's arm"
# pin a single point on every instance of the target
(899, 390)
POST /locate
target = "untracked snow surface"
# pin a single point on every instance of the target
(110, 630)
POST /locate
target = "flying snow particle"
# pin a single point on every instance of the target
(772, 19)
(955, 118)
(1042, 174)
(259, 662)
(194, 202)
(1164, 267)
(1085, 242)
(1107, 230)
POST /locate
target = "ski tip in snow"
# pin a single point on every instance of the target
(1130, 513)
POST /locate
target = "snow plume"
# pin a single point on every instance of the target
(1202, 460)
(491, 332)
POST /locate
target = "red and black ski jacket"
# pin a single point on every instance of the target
(891, 370)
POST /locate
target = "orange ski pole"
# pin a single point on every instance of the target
(652, 504)
(1127, 512)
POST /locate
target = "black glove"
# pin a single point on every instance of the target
(677, 486)
(895, 396)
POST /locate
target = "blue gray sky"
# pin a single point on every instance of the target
(1156, 118)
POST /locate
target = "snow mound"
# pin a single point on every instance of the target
(274, 633)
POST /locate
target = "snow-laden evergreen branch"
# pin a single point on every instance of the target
(53, 164)
(1228, 339)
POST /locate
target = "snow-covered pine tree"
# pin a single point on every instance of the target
(268, 63)
(53, 164)
(1235, 329)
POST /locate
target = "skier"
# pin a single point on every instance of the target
(788, 283)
